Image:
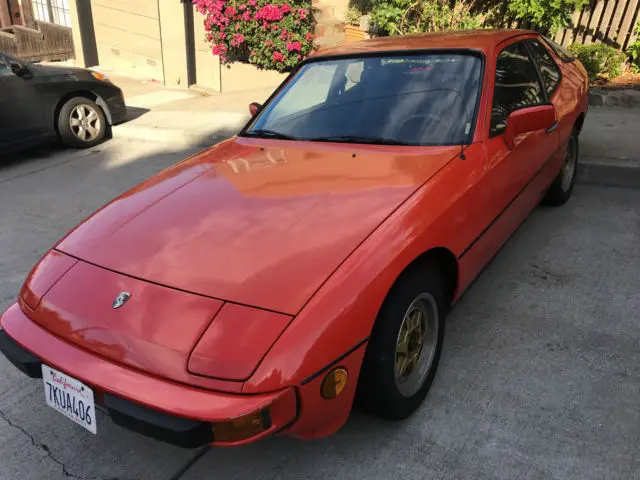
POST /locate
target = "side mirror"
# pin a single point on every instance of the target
(528, 120)
(18, 69)
(254, 108)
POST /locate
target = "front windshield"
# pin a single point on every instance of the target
(413, 99)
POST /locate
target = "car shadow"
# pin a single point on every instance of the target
(133, 113)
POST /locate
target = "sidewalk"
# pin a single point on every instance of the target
(179, 116)
(610, 147)
(609, 142)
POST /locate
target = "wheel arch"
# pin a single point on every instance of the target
(444, 261)
(579, 123)
(88, 94)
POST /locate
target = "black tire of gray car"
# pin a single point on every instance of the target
(562, 187)
(81, 123)
(384, 388)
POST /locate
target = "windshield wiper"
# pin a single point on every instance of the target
(269, 134)
(358, 139)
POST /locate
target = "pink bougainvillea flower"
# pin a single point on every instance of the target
(270, 13)
(303, 13)
(284, 35)
(296, 21)
(285, 8)
(239, 38)
(278, 57)
(268, 43)
(246, 16)
(230, 11)
(291, 46)
(252, 3)
(308, 37)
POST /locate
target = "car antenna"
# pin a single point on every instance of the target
(466, 134)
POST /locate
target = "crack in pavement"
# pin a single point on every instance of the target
(44, 448)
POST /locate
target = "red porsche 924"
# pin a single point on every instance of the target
(262, 285)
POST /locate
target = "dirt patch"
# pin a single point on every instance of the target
(628, 80)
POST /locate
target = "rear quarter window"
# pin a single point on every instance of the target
(565, 55)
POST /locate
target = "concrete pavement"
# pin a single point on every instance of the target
(538, 378)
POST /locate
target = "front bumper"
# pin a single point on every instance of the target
(117, 107)
(171, 412)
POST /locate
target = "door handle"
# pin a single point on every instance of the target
(552, 127)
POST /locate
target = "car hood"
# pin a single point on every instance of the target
(260, 223)
(51, 70)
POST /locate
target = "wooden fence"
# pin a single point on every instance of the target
(608, 21)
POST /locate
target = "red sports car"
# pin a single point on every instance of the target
(261, 285)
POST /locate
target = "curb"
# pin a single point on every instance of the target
(173, 137)
(628, 98)
(610, 172)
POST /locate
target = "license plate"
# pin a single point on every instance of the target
(70, 397)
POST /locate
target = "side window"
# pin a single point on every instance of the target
(548, 67)
(565, 55)
(517, 86)
(4, 67)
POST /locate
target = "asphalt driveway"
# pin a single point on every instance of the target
(539, 377)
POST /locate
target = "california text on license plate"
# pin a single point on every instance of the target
(70, 397)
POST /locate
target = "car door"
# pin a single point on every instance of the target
(517, 85)
(22, 117)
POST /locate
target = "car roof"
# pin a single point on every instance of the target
(481, 40)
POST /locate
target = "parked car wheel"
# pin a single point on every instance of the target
(562, 186)
(404, 349)
(81, 123)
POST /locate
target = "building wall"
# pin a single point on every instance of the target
(207, 64)
(127, 35)
(5, 18)
(157, 39)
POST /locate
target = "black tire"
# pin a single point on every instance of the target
(94, 130)
(561, 188)
(378, 390)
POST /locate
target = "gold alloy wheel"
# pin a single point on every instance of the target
(416, 344)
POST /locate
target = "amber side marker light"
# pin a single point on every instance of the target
(101, 77)
(334, 383)
(242, 428)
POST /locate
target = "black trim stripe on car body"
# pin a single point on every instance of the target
(334, 362)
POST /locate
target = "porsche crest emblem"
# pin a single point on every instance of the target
(121, 299)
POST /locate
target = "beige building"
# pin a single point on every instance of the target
(159, 39)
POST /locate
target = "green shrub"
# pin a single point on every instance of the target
(634, 51)
(401, 17)
(599, 58)
(547, 15)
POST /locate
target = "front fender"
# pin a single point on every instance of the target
(103, 105)
(340, 316)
